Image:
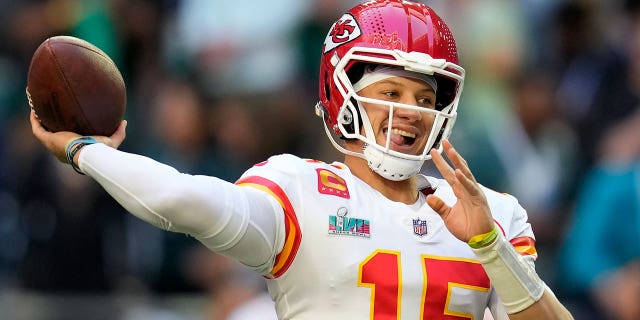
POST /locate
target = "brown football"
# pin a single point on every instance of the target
(72, 85)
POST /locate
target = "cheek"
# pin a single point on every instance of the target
(428, 119)
(377, 114)
(376, 110)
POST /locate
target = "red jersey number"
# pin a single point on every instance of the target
(381, 272)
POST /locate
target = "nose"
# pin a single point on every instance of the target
(408, 114)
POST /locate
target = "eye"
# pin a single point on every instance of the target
(390, 94)
(426, 102)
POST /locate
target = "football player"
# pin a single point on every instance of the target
(368, 237)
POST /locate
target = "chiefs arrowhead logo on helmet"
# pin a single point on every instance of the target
(344, 30)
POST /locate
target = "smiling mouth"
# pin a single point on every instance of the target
(401, 138)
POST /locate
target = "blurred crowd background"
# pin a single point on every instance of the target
(549, 114)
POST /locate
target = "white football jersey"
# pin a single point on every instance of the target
(350, 253)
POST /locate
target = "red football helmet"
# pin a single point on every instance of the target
(394, 33)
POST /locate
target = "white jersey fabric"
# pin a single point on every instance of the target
(329, 245)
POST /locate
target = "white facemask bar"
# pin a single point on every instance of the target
(369, 137)
(413, 61)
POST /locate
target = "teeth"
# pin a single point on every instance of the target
(403, 133)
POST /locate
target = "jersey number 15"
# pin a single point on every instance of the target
(381, 272)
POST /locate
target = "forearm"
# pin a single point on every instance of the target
(522, 292)
(216, 212)
(153, 192)
(548, 307)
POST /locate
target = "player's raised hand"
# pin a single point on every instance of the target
(470, 215)
(56, 142)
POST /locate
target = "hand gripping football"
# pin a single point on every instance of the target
(74, 86)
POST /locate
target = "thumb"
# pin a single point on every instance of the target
(121, 132)
(438, 205)
(116, 139)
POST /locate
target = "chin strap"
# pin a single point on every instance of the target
(390, 167)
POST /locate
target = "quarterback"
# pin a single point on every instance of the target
(368, 237)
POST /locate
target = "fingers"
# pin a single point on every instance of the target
(458, 161)
(448, 173)
(442, 165)
(36, 126)
(463, 173)
(469, 185)
(461, 179)
(39, 131)
(55, 142)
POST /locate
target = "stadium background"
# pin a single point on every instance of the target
(215, 86)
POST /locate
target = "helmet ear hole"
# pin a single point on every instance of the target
(446, 92)
(327, 88)
(348, 119)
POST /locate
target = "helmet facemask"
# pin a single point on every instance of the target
(353, 122)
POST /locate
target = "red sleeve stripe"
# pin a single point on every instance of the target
(526, 246)
(293, 235)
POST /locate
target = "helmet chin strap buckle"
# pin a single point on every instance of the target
(389, 166)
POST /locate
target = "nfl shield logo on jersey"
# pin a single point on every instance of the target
(420, 227)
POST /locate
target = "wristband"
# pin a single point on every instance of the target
(481, 240)
(514, 279)
(74, 146)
